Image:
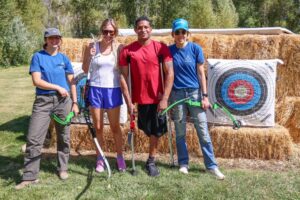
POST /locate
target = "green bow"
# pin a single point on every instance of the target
(216, 105)
(65, 122)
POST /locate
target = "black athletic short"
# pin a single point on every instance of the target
(149, 122)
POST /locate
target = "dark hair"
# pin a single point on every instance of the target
(111, 22)
(142, 18)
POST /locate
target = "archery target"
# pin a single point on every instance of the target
(246, 88)
(80, 79)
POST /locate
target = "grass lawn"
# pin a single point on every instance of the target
(245, 179)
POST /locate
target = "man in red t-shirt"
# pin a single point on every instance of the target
(146, 84)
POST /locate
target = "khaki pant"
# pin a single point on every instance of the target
(40, 119)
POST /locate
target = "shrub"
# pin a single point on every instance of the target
(17, 44)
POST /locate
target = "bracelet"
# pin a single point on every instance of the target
(205, 94)
(75, 103)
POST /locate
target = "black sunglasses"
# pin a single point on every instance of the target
(178, 32)
(106, 32)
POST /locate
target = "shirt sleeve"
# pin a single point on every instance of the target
(35, 64)
(165, 51)
(199, 54)
(123, 57)
(69, 68)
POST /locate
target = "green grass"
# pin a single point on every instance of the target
(16, 97)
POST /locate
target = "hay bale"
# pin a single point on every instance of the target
(82, 140)
(252, 143)
(288, 115)
(285, 47)
(289, 73)
(72, 47)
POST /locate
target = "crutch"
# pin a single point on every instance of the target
(169, 122)
(132, 122)
(86, 114)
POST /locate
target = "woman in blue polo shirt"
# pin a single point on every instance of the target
(52, 74)
(190, 81)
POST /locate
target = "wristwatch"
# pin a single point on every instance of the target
(205, 94)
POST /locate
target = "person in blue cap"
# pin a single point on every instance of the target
(53, 76)
(190, 81)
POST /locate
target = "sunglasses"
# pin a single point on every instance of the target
(178, 32)
(106, 32)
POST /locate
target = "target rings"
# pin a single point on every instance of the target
(241, 90)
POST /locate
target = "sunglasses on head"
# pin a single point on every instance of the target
(106, 32)
(178, 32)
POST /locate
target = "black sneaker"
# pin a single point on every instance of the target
(152, 169)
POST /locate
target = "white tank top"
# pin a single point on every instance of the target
(104, 72)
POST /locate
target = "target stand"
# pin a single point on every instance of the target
(246, 88)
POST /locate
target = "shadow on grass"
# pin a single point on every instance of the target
(89, 181)
(16, 125)
(9, 168)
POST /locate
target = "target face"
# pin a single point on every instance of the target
(246, 88)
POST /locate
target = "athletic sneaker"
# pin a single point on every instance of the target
(184, 170)
(217, 173)
(63, 175)
(100, 164)
(151, 167)
(121, 163)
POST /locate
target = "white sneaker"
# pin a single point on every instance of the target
(184, 170)
(217, 173)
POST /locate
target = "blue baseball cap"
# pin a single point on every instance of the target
(52, 32)
(180, 24)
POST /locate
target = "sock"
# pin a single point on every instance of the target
(150, 159)
(119, 156)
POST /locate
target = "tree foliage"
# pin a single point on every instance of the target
(268, 13)
(79, 18)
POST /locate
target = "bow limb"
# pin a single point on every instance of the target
(236, 123)
(216, 105)
(63, 122)
(173, 105)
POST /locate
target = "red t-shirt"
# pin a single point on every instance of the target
(145, 70)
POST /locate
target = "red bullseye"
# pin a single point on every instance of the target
(240, 91)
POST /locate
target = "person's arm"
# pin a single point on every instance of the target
(40, 83)
(168, 84)
(202, 80)
(88, 53)
(72, 83)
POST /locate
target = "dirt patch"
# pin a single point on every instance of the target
(293, 163)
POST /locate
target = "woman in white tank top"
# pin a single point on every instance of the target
(104, 92)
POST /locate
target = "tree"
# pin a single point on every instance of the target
(227, 17)
(32, 13)
(18, 44)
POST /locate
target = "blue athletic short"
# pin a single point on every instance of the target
(104, 98)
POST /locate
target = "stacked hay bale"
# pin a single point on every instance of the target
(252, 143)
(73, 48)
(288, 115)
(273, 143)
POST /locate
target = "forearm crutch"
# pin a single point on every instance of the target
(169, 122)
(132, 121)
(86, 114)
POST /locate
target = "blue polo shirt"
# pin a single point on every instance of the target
(185, 62)
(53, 69)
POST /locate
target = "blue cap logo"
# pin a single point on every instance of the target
(180, 24)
